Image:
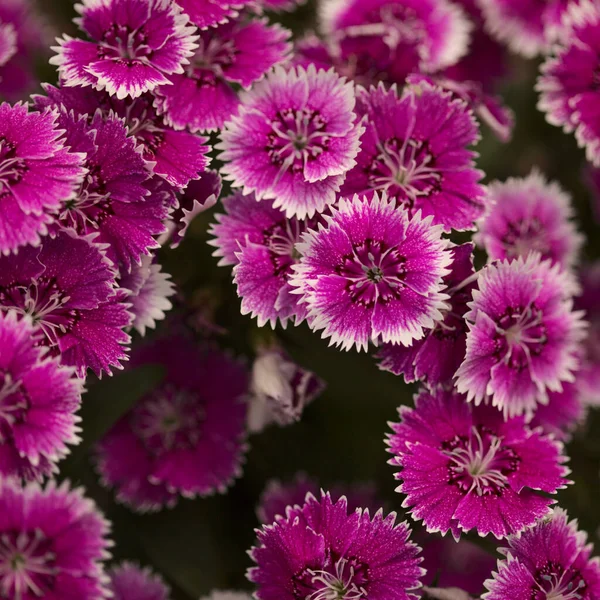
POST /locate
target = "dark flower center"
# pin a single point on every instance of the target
(297, 137)
(342, 579)
(13, 404)
(375, 273)
(214, 54)
(120, 41)
(480, 463)
(557, 583)
(281, 239)
(405, 169)
(525, 236)
(12, 168)
(169, 419)
(27, 564)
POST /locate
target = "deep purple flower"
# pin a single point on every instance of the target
(38, 401)
(415, 149)
(237, 53)
(129, 581)
(261, 242)
(568, 84)
(564, 412)
(150, 290)
(52, 543)
(280, 390)
(277, 496)
(372, 273)
(320, 551)
(183, 438)
(524, 335)
(115, 198)
(435, 358)
(136, 45)
(294, 141)
(528, 26)
(176, 156)
(464, 467)
(388, 39)
(550, 560)
(209, 13)
(37, 174)
(588, 376)
(529, 214)
(67, 286)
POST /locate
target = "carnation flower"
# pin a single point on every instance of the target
(568, 83)
(67, 287)
(294, 141)
(279, 390)
(52, 543)
(237, 53)
(372, 274)
(277, 496)
(114, 199)
(388, 39)
(464, 467)
(150, 290)
(135, 45)
(37, 174)
(527, 26)
(523, 337)
(550, 560)
(529, 214)
(183, 438)
(415, 149)
(209, 13)
(435, 358)
(129, 581)
(260, 241)
(38, 401)
(320, 551)
(176, 156)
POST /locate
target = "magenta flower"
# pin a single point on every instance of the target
(550, 560)
(37, 174)
(67, 286)
(135, 45)
(528, 27)
(435, 358)
(150, 290)
(320, 551)
(523, 337)
(277, 496)
(115, 198)
(38, 402)
(488, 471)
(415, 149)
(129, 581)
(294, 141)
(388, 39)
(209, 13)
(261, 242)
(52, 543)
(372, 274)
(280, 390)
(568, 83)
(183, 438)
(529, 214)
(237, 53)
(8, 42)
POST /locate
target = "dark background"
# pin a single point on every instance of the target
(202, 544)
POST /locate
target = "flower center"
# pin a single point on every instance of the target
(214, 54)
(120, 41)
(405, 169)
(169, 419)
(13, 402)
(12, 168)
(523, 237)
(520, 335)
(281, 239)
(480, 464)
(297, 137)
(338, 585)
(45, 303)
(555, 583)
(375, 273)
(27, 565)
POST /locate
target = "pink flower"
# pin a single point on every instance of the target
(129, 581)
